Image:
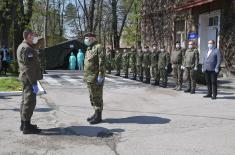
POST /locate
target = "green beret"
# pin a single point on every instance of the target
(89, 34)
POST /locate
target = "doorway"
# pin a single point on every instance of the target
(209, 29)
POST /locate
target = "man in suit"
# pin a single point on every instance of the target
(211, 65)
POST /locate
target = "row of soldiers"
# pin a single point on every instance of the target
(154, 63)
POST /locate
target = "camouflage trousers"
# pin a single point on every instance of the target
(118, 68)
(177, 74)
(163, 75)
(147, 72)
(28, 102)
(126, 70)
(155, 74)
(190, 77)
(134, 69)
(140, 71)
(109, 66)
(96, 95)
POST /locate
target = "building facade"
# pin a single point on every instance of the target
(165, 22)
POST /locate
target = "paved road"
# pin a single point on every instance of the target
(138, 119)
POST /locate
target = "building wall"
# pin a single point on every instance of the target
(159, 25)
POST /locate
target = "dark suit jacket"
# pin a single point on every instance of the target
(213, 61)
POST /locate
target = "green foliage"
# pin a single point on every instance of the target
(10, 84)
(13, 68)
(132, 29)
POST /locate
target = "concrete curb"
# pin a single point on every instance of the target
(19, 93)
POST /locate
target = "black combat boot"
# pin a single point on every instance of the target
(22, 125)
(176, 87)
(188, 90)
(207, 96)
(192, 91)
(134, 77)
(98, 117)
(179, 88)
(28, 129)
(148, 81)
(91, 118)
(156, 83)
(213, 97)
(164, 85)
(118, 74)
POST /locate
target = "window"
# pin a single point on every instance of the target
(180, 33)
(214, 21)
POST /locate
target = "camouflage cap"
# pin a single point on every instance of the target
(89, 34)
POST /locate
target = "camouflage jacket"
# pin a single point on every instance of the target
(29, 65)
(109, 56)
(146, 59)
(125, 58)
(164, 59)
(118, 58)
(154, 58)
(139, 58)
(191, 58)
(177, 57)
(133, 56)
(94, 63)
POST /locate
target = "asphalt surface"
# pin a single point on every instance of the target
(138, 119)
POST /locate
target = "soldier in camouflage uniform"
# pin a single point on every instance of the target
(163, 62)
(190, 65)
(30, 73)
(146, 64)
(94, 75)
(109, 60)
(133, 57)
(154, 65)
(177, 61)
(125, 62)
(42, 59)
(139, 63)
(118, 62)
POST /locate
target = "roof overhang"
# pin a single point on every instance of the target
(192, 4)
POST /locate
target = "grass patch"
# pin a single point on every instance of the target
(10, 84)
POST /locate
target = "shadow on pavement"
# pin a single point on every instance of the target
(227, 97)
(87, 131)
(5, 97)
(36, 110)
(138, 120)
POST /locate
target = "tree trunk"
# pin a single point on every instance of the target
(45, 24)
(114, 25)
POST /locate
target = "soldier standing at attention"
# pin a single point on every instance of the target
(42, 60)
(133, 62)
(146, 64)
(109, 59)
(125, 59)
(30, 73)
(139, 63)
(94, 75)
(154, 65)
(190, 65)
(177, 61)
(163, 62)
(118, 62)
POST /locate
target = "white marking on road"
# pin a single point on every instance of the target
(72, 80)
(124, 79)
(114, 81)
(52, 81)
